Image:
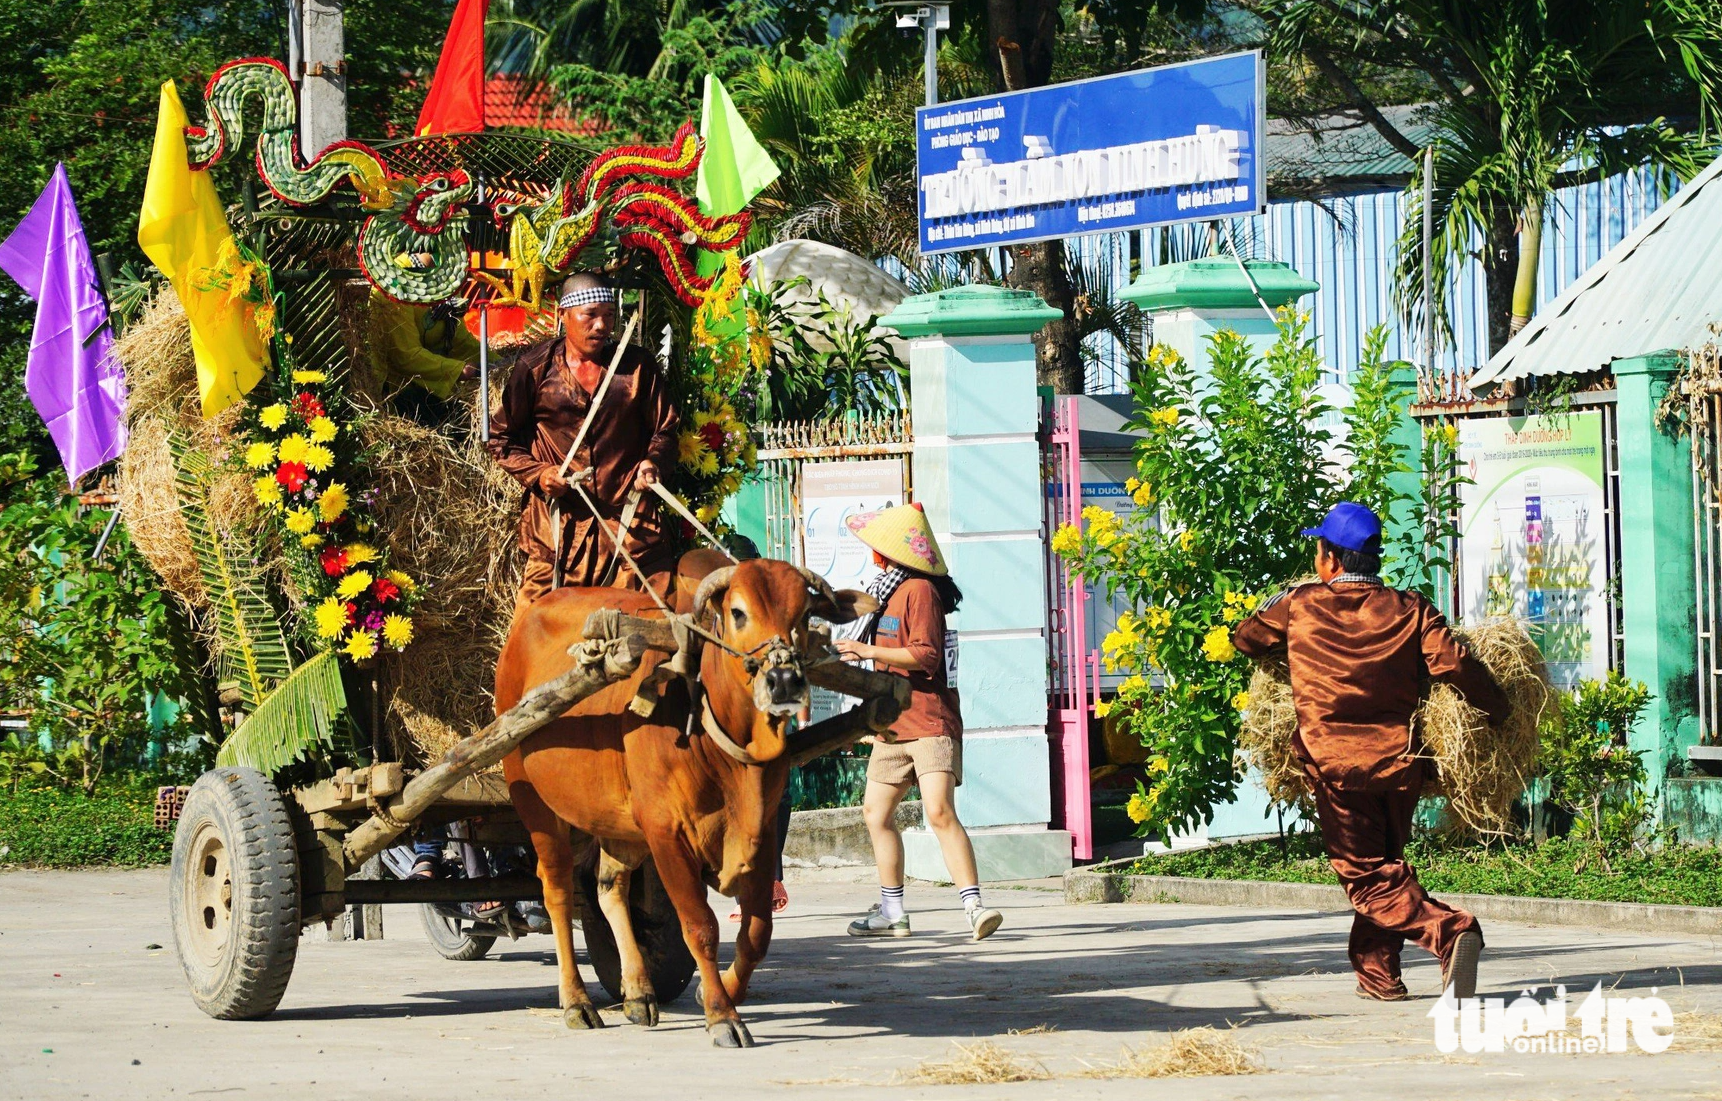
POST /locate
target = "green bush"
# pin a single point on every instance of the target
(60, 827)
(1678, 875)
(1589, 772)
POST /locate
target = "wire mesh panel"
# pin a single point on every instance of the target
(1707, 561)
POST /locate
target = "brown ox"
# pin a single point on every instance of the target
(645, 787)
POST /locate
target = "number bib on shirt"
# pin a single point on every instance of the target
(950, 659)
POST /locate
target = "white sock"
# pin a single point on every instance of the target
(891, 902)
(971, 897)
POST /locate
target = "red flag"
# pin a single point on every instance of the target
(456, 101)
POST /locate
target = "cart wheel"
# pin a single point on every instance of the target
(450, 940)
(233, 890)
(657, 927)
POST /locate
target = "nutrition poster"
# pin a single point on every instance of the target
(1532, 534)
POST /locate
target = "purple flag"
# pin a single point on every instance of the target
(73, 379)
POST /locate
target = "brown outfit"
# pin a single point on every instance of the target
(1359, 654)
(914, 620)
(929, 734)
(530, 432)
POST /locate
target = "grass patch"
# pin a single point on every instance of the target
(60, 828)
(1679, 875)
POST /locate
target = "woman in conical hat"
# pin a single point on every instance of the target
(908, 636)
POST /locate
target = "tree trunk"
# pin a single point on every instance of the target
(1530, 257)
(1500, 265)
(1057, 349)
(1022, 34)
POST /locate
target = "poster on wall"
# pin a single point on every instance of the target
(1103, 479)
(830, 494)
(1531, 538)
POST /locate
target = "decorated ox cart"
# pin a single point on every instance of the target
(350, 569)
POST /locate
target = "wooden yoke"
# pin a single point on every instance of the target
(883, 696)
(597, 663)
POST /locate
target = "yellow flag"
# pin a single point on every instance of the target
(184, 230)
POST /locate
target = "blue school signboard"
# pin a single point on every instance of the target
(1178, 143)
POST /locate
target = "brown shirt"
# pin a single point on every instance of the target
(913, 620)
(1360, 654)
(530, 432)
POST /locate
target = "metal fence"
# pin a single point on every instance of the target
(785, 445)
(1707, 557)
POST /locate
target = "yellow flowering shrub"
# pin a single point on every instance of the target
(1237, 460)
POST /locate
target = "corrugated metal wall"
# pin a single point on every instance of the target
(1349, 245)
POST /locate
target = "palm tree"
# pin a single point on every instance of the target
(1526, 97)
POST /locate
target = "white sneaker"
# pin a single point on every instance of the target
(876, 924)
(983, 922)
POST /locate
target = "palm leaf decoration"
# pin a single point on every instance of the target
(301, 712)
(254, 648)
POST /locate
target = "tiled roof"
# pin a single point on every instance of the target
(514, 101)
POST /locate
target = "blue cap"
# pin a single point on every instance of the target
(1350, 526)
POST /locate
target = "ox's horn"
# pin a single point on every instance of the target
(819, 584)
(715, 582)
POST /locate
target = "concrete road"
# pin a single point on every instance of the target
(89, 1007)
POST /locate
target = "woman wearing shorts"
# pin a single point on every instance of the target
(908, 636)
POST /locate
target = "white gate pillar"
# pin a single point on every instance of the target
(977, 475)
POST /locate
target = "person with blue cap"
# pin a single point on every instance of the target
(1359, 654)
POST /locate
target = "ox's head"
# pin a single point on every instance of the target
(760, 609)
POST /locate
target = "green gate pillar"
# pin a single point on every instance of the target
(977, 474)
(1192, 301)
(1657, 584)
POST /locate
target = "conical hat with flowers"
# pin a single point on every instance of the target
(902, 534)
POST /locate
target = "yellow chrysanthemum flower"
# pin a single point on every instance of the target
(274, 416)
(708, 465)
(403, 582)
(293, 448)
(353, 584)
(267, 490)
(361, 645)
(691, 449)
(322, 429)
(318, 458)
(311, 542)
(260, 455)
(309, 377)
(1217, 645)
(332, 505)
(300, 520)
(360, 553)
(331, 618)
(397, 631)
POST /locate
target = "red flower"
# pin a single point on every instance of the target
(385, 590)
(712, 434)
(334, 561)
(352, 613)
(292, 476)
(307, 406)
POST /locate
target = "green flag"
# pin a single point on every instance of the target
(734, 168)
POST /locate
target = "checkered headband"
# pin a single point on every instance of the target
(588, 296)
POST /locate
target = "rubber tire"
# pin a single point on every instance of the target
(242, 974)
(658, 928)
(449, 943)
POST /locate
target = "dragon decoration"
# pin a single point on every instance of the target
(412, 244)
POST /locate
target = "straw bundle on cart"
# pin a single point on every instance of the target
(1481, 769)
(448, 512)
